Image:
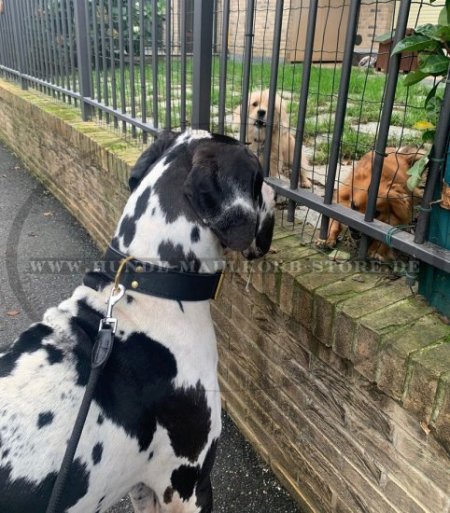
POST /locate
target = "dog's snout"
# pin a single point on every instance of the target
(261, 113)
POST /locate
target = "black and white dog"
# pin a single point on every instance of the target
(154, 423)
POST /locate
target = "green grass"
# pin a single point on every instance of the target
(364, 100)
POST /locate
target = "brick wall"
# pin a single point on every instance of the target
(340, 378)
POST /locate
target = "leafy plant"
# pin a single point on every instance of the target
(432, 44)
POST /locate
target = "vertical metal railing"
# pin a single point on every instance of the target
(273, 86)
(183, 65)
(303, 102)
(223, 65)
(385, 122)
(249, 21)
(341, 107)
(81, 30)
(202, 64)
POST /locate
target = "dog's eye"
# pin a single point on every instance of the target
(255, 104)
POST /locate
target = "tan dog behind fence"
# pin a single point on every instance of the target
(395, 203)
(283, 142)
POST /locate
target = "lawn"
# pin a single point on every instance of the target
(363, 106)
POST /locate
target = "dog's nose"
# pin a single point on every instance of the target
(261, 113)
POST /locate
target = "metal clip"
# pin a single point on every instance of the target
(116, 295)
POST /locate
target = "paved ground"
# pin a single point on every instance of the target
(35, 227)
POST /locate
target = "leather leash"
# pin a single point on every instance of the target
(100, 353)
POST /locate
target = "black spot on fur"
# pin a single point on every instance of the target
(184, 479)
(150, 157)
(136, 389)
(135, 384)
(20, 495)
(150, 456)
(100, 419)
(127, 228)
(177, 258)
(195, 234)
(5, 453)
(170, 184)
(168, 495)
(129, 299)
(204, 488)
(186, 416)
(180, 304)
(142, 203)
(44, 419)
(29, 342)
(97, 452)
(153, 211)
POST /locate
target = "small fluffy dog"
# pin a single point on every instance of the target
(394, 203)
(283, 143)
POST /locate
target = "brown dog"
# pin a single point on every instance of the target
(394, 202)
(283, 143)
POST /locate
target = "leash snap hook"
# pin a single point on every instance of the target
(116, 295)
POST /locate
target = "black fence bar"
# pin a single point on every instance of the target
(183, 71)
(81, 30)
(223, 65)
(142, 66)
(54, 44)
(105, 78)
(168, 44)
(71, 48)
(437, 162)
(401, 240)
(123, 100)
(37, 17)
(202, 64)
(112, 55)
(98, 85)
(249, 19)
(64, 36)
(131, 64)
(18, 45)
(341, 108)
(135, 123)
(385, 122)
(155, 35)
(48, 46)
(273, 85)
(303, 102)
(59, 43)
(43, 83)
(29, 47)
(46, 75)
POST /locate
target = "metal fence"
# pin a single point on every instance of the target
(144, 65)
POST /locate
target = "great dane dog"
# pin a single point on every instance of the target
(154, 422)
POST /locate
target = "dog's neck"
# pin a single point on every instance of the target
(158, 225)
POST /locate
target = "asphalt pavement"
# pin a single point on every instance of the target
(44, 253)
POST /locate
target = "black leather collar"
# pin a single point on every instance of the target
(154, 280)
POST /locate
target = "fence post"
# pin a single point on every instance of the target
(84, 71)
(18, 43)
(201, 67)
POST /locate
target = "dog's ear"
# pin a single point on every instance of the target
(219, 189)
(149, 157)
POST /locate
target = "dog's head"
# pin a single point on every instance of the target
(226, 190)
(258, 108)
